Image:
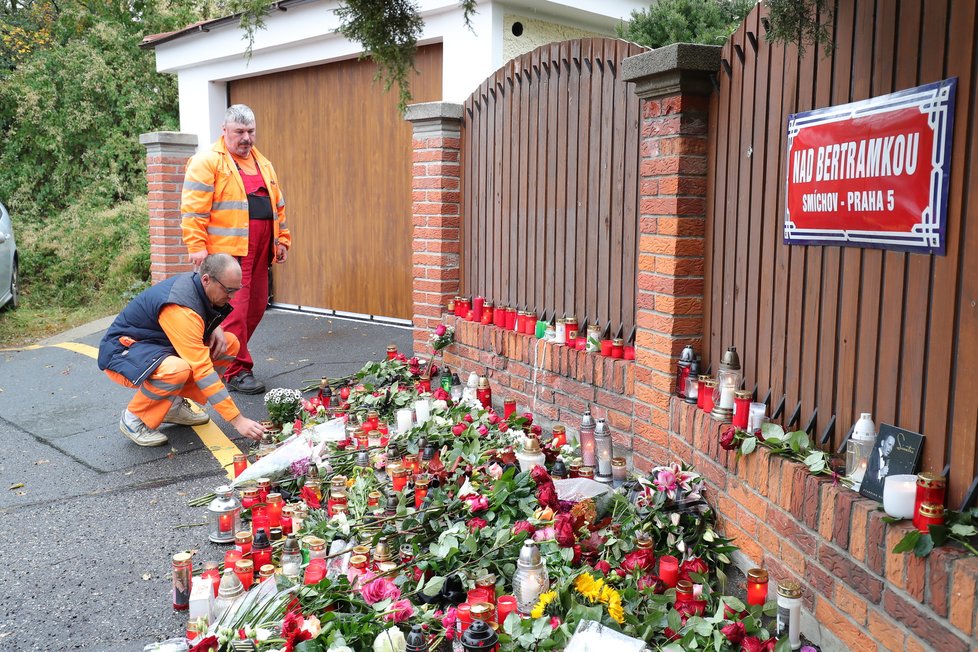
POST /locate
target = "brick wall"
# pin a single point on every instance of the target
(166, 160)
(553, 382)
(835, 543)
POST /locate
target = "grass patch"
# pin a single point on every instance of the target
(83, 264)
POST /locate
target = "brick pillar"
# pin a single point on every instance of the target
(436, 212)
(166, 159)
(674, 85)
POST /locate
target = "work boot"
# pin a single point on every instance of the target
(246, 383)
(140, 433)
(183, 414)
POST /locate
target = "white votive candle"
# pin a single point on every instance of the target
(899, 493)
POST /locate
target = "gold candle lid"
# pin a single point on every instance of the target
(757, 575)
(789, 589)
(486, 581)
(618, 342)
(929, 479)
(242, 537)
(481, 611)
(531, 445)
(932, 510)
(274, 498)
(743, 393)
(249, 492)
(266, 570)
(182, 558)
(618, 461)
(358, 561)
(244, 565)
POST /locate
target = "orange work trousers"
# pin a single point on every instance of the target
(172, 379)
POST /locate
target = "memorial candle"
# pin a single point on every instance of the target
(757, 580)
(240, 463)
(669, 570)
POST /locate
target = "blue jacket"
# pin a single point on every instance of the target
(139, 321)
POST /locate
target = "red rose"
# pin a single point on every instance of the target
(458, 429)
(689, 608)
(554, 622)
(503, 426)
(653, 583)
(642, 560)
(539, 474)
(493, 418)
(475, 524)
(536, 430)
(751, 644)
(735, 632)
(670, 634)
(564, 530)
(728, 438)
(440, 395)
(208, 644)
(467, 418)
(603, 566)
(547, 496)
(529, 417)
(694, 565)
(730, 614)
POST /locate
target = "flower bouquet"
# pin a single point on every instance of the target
(283, 405)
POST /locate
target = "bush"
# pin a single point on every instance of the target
(86, 255)
(686, 21)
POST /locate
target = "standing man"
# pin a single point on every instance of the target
(168, 343)
(232, 204)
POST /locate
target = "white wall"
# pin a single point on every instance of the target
(305, 35)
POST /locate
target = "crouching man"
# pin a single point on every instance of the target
(168, 344)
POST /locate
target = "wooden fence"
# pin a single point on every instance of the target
(550, 185)
(831, 332)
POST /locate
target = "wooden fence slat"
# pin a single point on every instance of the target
(559, 262)
(744, 156)
(962, 421)
(573, 154)
(584, 296)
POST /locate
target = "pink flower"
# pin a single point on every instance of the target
(477, 503)
(603, 566)
(400, 611)
(554, 622)
(467, 418)
(545, 534)
(493, 418)
(448, 622)
(495, 471)
(483, 430)
(379, 589)
(665, 480)
(458, 429)
(523, 526)
(440, 330)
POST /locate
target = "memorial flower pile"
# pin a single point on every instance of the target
(408, 540)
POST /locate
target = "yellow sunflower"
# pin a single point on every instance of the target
(541, 605)
(589, 587)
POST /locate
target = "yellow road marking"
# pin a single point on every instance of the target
(222, 448)
(77, 347)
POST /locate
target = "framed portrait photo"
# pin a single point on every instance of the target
(896, 451)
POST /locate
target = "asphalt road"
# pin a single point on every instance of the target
(85, 543)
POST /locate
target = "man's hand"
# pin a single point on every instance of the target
(197, 257)
(218, 343)
(248, 428)
(281, 253)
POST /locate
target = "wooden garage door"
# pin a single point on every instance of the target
(342, 151)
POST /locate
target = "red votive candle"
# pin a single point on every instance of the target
(423, 385)
(274, 509)
(464, 614)
(530, 324)
(510, 319)
(245, 571)
(757, 586)
(505, 606)
(231, 557)
(259, 519)
(581, 344)
(629, 352)
(499, 316)
(477, 595)
(240, 464)
(477, 304)
(509, 408)
(707, 394)
(399, 476)
(742, 399)
(930, 489)
(487, 313)
(684, 591)
(606, 348)
(929, 514)
(315, 571)
(669, 570)
(520, 322)
(617, 348)
(701, 392)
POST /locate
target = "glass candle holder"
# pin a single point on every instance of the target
(899, 494)
(619, 470)
(242, 542)
(405, 420)
(477, 305)
(559, 436)
(757, 581)
(741, 414)
(669, 570)
(930, 489)
(224, 515)
(684, 591)
(240, 463)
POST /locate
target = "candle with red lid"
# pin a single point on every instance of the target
(930, 489)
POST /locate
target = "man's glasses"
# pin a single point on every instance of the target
(230, 291)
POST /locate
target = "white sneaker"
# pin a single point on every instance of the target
(141, 434)
(182, 414)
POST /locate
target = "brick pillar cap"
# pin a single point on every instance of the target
(433, 111)
(168, 138)
(672, 70)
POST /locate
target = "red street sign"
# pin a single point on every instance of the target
(872, 173)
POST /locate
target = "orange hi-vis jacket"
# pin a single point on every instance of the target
(214, 205)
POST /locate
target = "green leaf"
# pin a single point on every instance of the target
(891, 519)
(784, 645)
(799, 441)
(433, 586)
(772, 432)
(748, 445)
(908, 542)
(961, 530)
(940, 534)
(674, 620)
(924, 545)
(539, 625)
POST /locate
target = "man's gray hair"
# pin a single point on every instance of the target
(216, 264)
(239, 114)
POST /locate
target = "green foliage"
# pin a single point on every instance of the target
(803, 22)
(685, 21)
(86, 253)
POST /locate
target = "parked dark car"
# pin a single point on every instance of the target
(9, 280)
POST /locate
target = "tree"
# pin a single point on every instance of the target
(686, 21)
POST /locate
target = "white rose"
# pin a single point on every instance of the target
(439, 405)
(391, 640)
